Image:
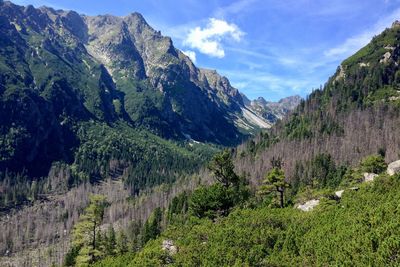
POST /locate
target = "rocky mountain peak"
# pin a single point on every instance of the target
(272, 111)
(260, 100)
(396, 24)
(150, 82)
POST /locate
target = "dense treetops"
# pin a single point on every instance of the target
(359, 229)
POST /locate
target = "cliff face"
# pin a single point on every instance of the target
(273, 111)
(59, 69)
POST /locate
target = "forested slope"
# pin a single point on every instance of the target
(340, 138)
(116, 140)
(360, 229)
(355, 114)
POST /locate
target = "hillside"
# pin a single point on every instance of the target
(360, 229)
(60, 69)
(65, 78)
(354, 115)
(100, 104)
(328, 162)
(110, 141)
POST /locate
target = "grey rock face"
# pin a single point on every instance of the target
(159, 87)
(369, 177)
(168, 245)
(339, 193)
(309, 205)
(273, 111)
(393, 168)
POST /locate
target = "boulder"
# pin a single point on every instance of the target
(168, 245)
(339, 193)
(393, 168)
(368, 177)
(385, 57)
(309, 205)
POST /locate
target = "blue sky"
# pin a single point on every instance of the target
(269, 48)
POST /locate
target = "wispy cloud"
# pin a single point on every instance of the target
(257, 83)
(233, 8)
(190, 54)
(354, 43)
(208, 40)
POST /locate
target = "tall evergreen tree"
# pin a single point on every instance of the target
(86, 230)
(223, 169)
(275, 182)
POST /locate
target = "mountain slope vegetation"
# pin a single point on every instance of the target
(339, 138)
(63, 75)
(360, 229)
(106, 108)
(93, 104)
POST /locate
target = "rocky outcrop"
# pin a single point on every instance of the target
(309, 205)
(273, 111)
(396, 24)
(339, 193)
(393, 168)
(369, 177)
(341, 74)
(363, 64)
(169, 247)
(385, 57)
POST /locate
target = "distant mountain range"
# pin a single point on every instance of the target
(272, 111)
(107, 105)
(59, 69)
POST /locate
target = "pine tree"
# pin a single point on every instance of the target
(152, 227)
(110, 241)
(223, 169)
(122, 242)
(86, 230)
(275, 181)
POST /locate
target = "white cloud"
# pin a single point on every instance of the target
(240, 85)
(208, 40)
(354, 43)
(191, 55)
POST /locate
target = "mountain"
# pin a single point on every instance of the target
(272, 111)
(101, 104)
(324, 182)
(60, 70)
(354, 115)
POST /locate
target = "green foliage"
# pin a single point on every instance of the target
(223, 169)
(373, 164)
(374, 50)
(152, 227)
(178, 206)
(381, 94)
(148, 159)
(213, 201)
(275, 182)
(298, 127)
(218, 199)
(121, 243)
(110, 241)
(84, 249)
(319, 172)
(116, 261)
(360, 230)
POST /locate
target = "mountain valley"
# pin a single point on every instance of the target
(117, 150)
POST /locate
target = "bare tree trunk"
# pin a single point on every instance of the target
(281, 197)
(94, 235)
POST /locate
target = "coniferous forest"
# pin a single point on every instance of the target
(116, 150)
